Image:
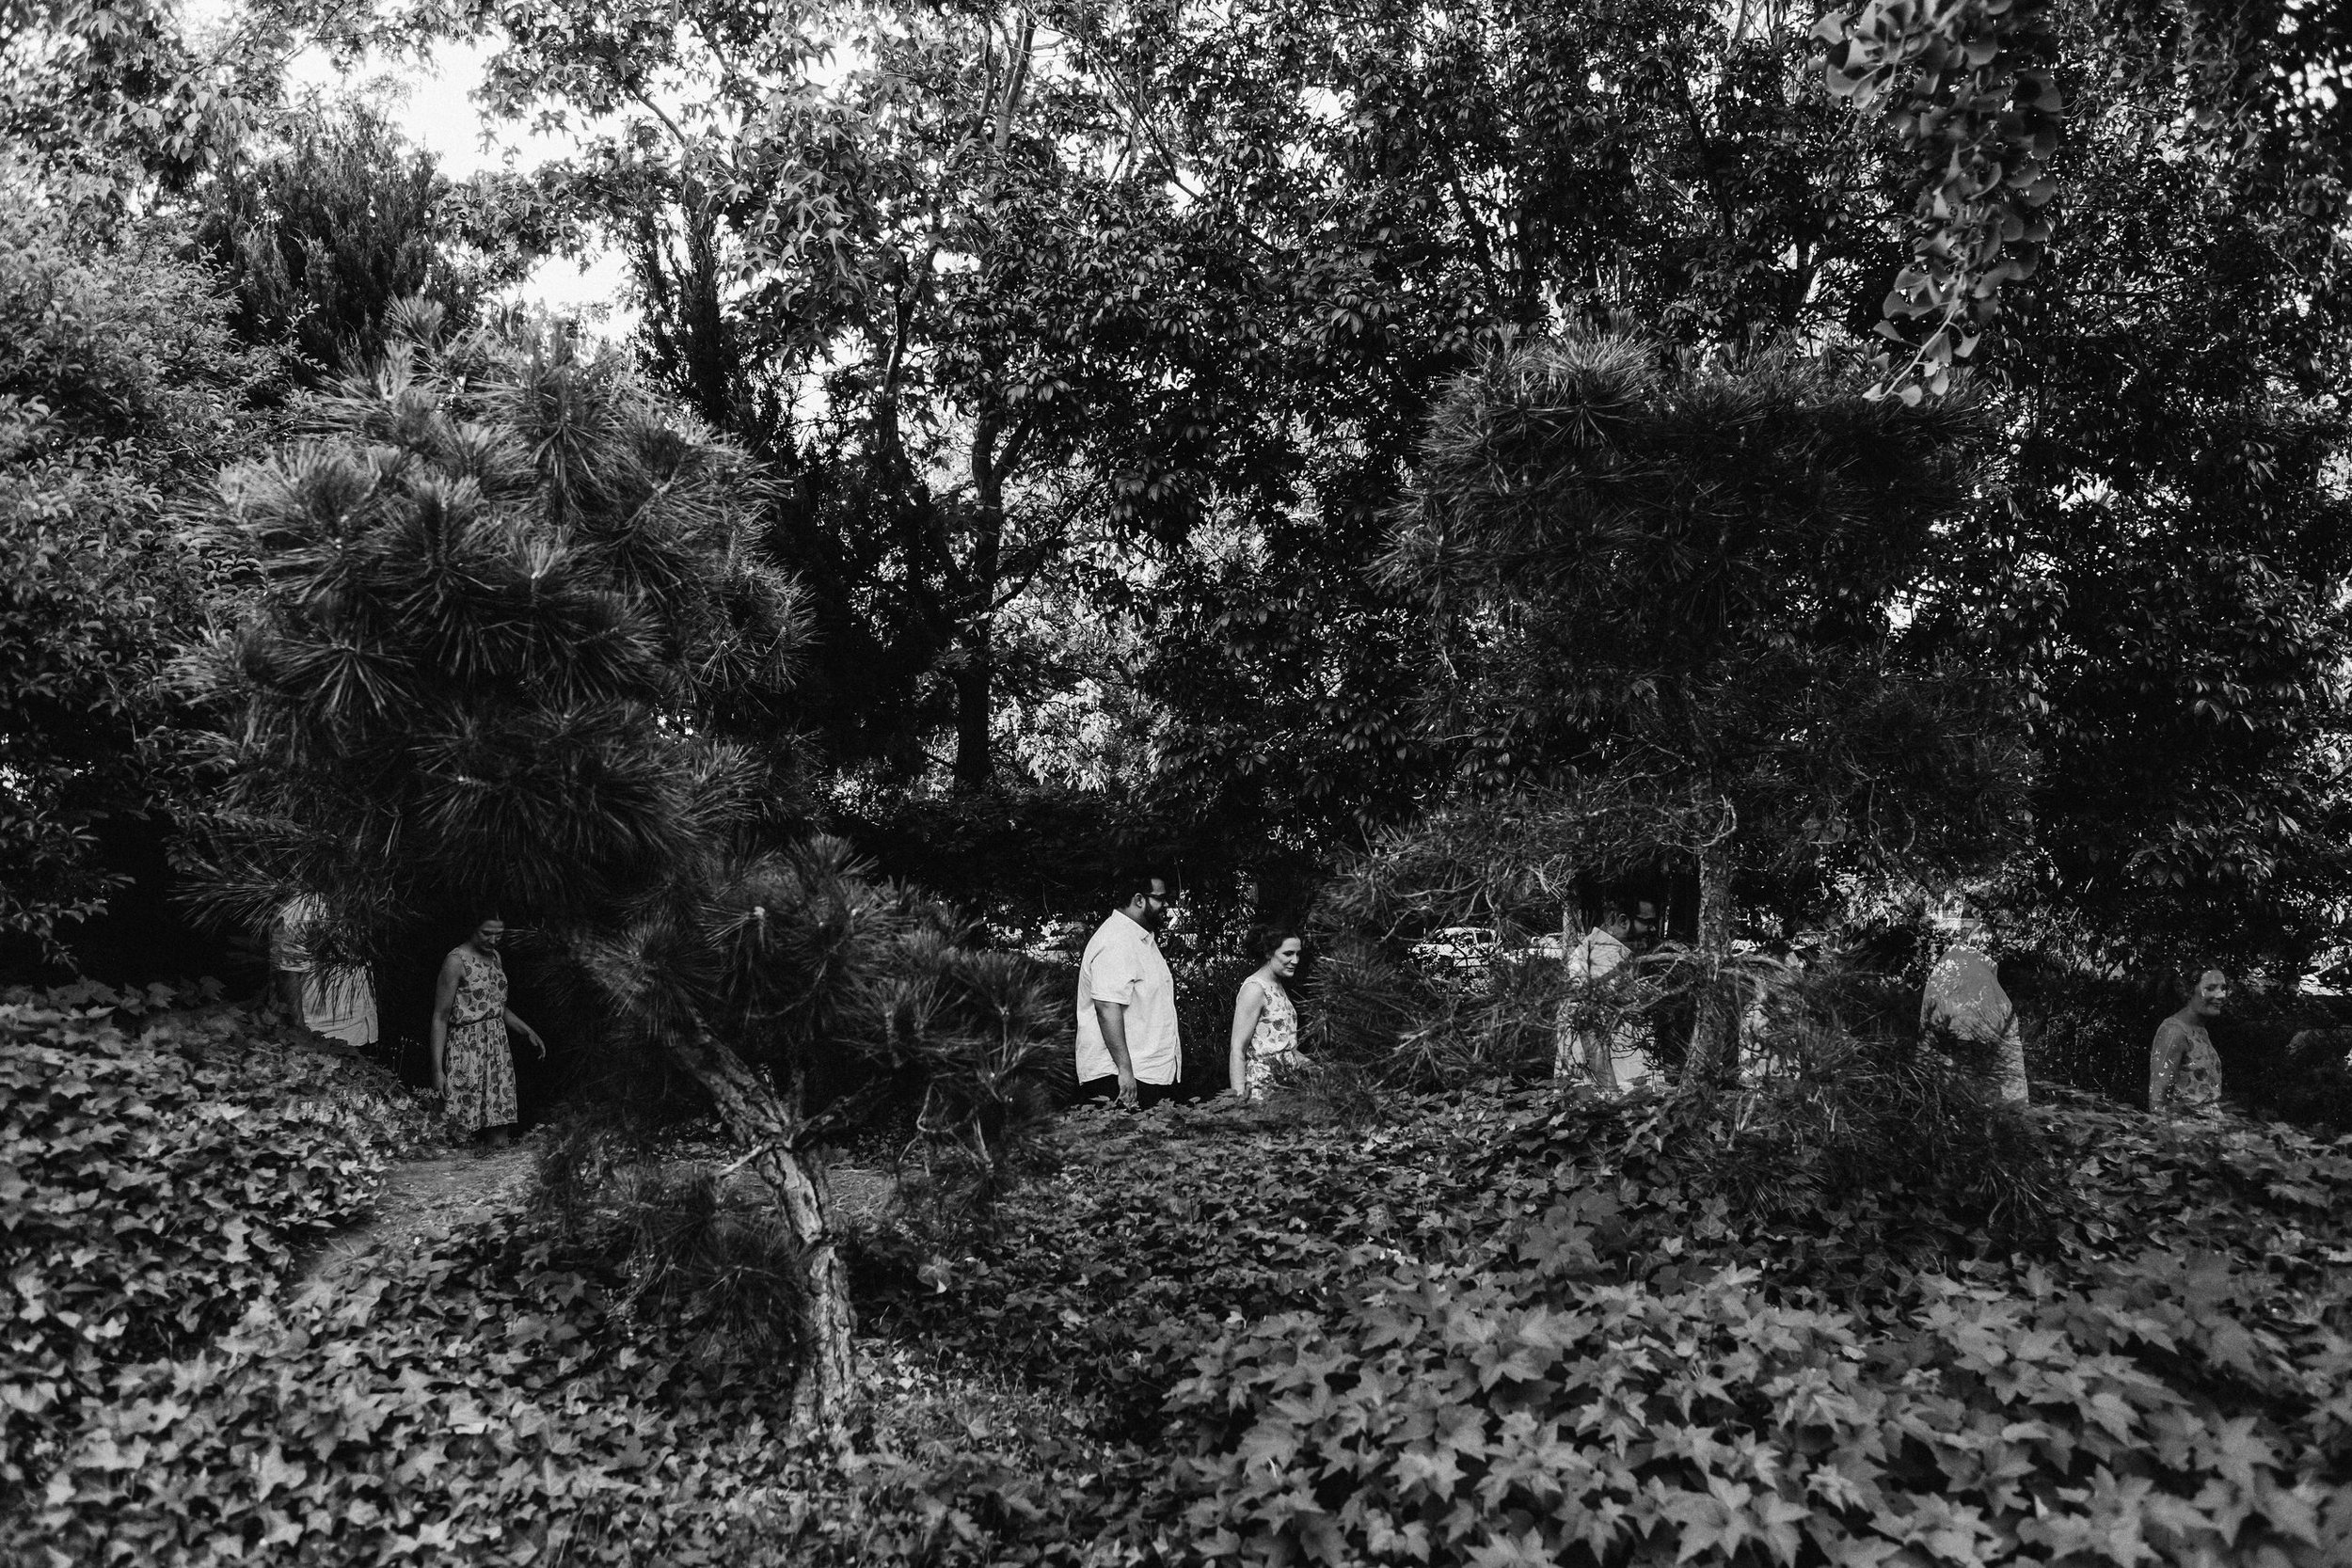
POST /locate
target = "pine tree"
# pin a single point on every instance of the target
(1673, 592)
(321, 227)
(507, 608)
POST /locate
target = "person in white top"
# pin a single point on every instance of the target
(1265, 1023)
(334, 1001)
(1610, 1057)
(1128, 1048)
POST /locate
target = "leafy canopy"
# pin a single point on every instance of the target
(119, 383)
(1682, 581)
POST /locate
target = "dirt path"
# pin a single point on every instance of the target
(423, 1201)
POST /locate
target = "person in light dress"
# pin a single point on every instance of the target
(1266, 1023)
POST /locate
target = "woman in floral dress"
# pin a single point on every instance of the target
(2183, 1070)
(473, 1069)
(1266, 1026)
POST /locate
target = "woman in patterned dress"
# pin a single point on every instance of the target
(2183, 1070)
(473, 1069)
(1266, 1026)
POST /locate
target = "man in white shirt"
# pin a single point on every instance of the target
(1128, 1048)
(337, 1003)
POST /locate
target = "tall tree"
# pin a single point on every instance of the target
(2168, 574)
(1418, 183)
(916, 259)
(1672, 588)
(322, 218)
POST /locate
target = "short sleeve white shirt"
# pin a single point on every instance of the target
(1597, 956)
(1123, 964)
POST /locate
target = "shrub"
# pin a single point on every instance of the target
(145, 1203)
(119, 385)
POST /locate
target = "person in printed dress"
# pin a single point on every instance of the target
(1963, 1003)
(1266, 1024)
(473, 1066)
(2183, 1070)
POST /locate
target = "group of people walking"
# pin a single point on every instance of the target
(1963, 1013)
(1129, 1048)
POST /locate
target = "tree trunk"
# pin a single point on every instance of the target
(975, 672)
(974, 682)
(767, 1126)
(1711, 1036)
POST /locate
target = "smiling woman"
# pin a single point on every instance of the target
(1264, 1041)
(2183, 1070)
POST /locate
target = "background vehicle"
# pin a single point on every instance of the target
(1466, 949)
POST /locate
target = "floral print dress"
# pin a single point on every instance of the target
(478, 1066)
(2183, 1070)
(1274, 1040)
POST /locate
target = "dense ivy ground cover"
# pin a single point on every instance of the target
(477, 1404)
(145, 1202)
(1517, 1328)
(1492, 1327)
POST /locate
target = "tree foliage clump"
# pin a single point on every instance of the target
(118, 382)
(2164, 576)
(501, 598)
(322, 221)
(1675, 595)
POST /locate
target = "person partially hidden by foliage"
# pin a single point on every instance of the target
(1266, 1021)
(2183, 1070)
(1128, 1045)
(337, 1001)
(1677, 601)
(1606, 1053)
(1964, 1005)
(473, 1067)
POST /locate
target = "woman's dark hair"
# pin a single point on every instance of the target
(1264, 942)
(2194, 975)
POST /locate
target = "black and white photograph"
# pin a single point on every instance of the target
(1176, 784)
